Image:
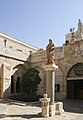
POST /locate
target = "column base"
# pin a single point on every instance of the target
(45, 111)
(41, 115)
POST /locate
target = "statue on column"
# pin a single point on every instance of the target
(50, 52)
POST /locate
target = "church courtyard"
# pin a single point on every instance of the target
(14, 110)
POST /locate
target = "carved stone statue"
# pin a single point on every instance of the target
(50, 52)
(79, 26)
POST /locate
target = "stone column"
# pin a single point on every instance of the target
(2, 81)
(5, 80)
(50, 86)
(50, 81)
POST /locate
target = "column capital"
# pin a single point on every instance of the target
(50, 67)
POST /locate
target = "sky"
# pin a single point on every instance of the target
(36, 21)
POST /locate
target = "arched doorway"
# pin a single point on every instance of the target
(75, 82)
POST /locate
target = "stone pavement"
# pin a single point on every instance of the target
(13, 110)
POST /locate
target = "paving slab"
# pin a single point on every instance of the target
(24, 111)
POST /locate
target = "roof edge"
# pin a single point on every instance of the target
(17, 40)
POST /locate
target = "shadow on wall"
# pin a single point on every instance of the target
(73, 106)
(13, 84)
(14, 90)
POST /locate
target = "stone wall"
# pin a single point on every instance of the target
(65, 57)
(8, 67)
(14, 48)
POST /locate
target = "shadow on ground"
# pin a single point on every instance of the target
(2, 116)
(22, 116)
(20, 103)
(28, 116)
(74, 106)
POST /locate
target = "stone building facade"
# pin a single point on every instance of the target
(14, 59)
(16, 56)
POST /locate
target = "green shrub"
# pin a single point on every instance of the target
(29, 84)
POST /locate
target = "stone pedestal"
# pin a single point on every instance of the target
(52, 109)
(58, 108)
(45, 106)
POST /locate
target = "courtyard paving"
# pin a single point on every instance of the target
(14, 110)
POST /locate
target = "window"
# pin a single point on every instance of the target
(12, 84)
(57, 87)
(18, 85)
(5, 42)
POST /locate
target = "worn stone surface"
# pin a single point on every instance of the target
(23, 111)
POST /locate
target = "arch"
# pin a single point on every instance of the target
(76, 71)
(75, 82)
(18, 70)
(19, 66)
